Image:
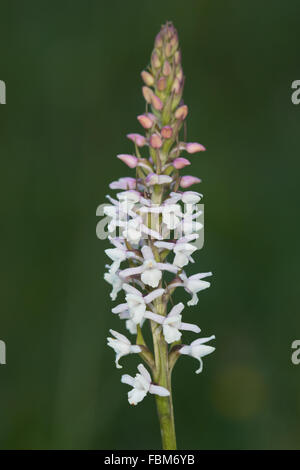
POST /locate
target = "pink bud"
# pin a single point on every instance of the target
(177, 57)
(179, 74)
(194, 147)
(167, 132)
(155, 141)
(174, 40)
(181, 112)
(180, 162)
(168, 49)
(187, 181)
(155, 61)
(137, 138)
(156, 103)
(161, 84)
(129, 160)
(158, 41)
(146, 121)
(148, 93)
(166, 69)
(176, 86)
(147, 77)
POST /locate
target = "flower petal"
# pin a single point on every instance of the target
(119, 336)
(120, 308)
(153, 295)
(190, 327)
(131, 271)
(158, 390)
(147, 252)
(154, 316)
(142, 370)
(127, 379)
(176, 310)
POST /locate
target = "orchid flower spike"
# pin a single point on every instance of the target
(141, 385)
(153, 220)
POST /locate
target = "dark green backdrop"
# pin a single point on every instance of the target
(73, 92)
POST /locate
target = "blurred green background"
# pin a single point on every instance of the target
(72, 70)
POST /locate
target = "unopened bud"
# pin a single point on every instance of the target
(158, 41)
(129, 160)
(168, 49)
(179, 74)
(161, 84)
(155, 61)
(167, 132)
(176, 87)
(156, 102)
(138, 139)
(194, 147)
(177, 57)
(186, 181)
(148, 93)
(180, 162)
(174, 40)
(147, 77)
(166, 69)
(146, 121)
(155, 141)
(181, 112)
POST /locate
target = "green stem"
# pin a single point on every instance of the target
(162, 372)
(165, 404)
(162, 377)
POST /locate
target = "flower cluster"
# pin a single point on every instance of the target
(153, 227)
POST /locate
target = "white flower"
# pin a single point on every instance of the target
(192, 285)
(136, 303)
(117, 217)
(198, 349)
(183, 221)
(171, 215)
(128, 199)
(116, 282)
(122, 346)
(141, 384)
(182, 249)
(118, 254)
(133, 230)
(183, 252)
(131, 326)
(188, 223)
(172, 323)
(121, 209)
(150, 270)
(187, 197)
